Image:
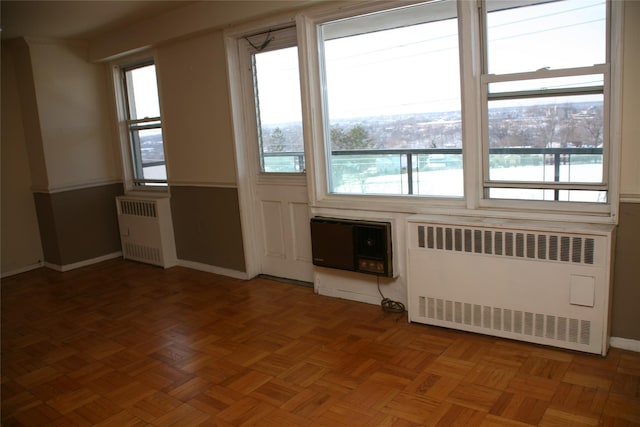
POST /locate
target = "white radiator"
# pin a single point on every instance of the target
(146, 230)
(546, 283)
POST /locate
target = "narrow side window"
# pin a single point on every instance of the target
(278, 112)
(144, 125)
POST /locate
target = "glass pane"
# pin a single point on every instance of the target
(551, 139)
(383, 93)
(562, 34)
(369, 174)
(439, 175)
(148, 154)
(588, 196)
(572, 82)
(142, 90)
(278, 109)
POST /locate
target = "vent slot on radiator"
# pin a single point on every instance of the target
(512, 321)
(143, 253)
(138, 208)
(519, 244)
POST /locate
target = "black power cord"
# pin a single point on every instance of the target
(388, 305)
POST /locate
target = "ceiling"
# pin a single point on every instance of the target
(75, 20)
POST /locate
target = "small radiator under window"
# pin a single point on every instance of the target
(146, 230)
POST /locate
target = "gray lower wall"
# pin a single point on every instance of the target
(206, 225)
(625, 320)
(78, 225)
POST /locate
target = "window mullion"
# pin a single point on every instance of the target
(473, 99)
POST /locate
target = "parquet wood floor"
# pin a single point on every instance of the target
(126, 344)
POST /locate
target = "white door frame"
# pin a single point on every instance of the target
(248, 173)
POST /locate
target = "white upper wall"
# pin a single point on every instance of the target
(194, 98)
(75, 119)
(20, 238)
(630, 161)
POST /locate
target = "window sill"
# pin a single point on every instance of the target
(510, 210)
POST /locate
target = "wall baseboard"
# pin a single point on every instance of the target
(85, 263)
(625, 344)
(21, 270)
(213, 269)
(346, 294)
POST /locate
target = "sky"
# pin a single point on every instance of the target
(145, 92)
(415, 68)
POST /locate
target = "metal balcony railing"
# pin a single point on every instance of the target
(408, 159)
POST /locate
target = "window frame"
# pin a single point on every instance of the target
(282, 38)
(129, 144)
(488, 78)
(471, 62)
(373, 21)
(315, 112)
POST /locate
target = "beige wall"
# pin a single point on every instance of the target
(20, 240)
(26, 103)
(626, 289)
(57, 125)
(630, 161)
(195, 108)
(74, 115)
(185, 21)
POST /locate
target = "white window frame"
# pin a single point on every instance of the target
(132, 183)
(282, 38)
(487, 183)
(312, 87)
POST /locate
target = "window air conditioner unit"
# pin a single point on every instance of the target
(361, 246)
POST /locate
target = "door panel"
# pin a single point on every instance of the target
(301, 233)
(272, 228)
(284, 219)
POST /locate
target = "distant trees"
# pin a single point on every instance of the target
(357, 138)
(593, 126)
(546, 126)
(282, 139)
(278, 143)
(553, 125)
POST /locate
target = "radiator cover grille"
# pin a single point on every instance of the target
(533, 283)
(141, 208)
(508, 243)
(146, 230)
(519, 322)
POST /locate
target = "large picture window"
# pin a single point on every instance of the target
(392, 102)
(144, 125)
